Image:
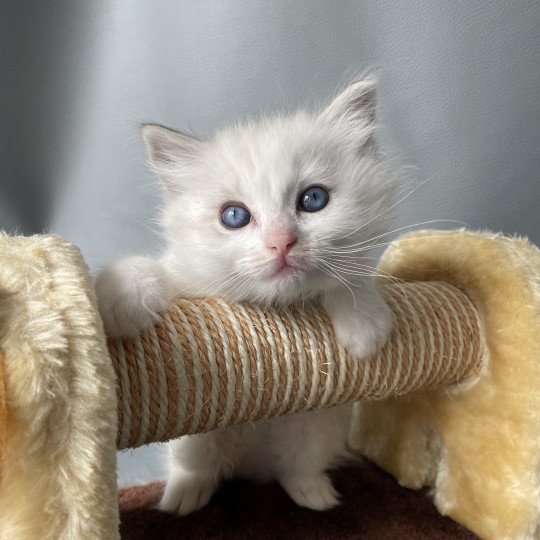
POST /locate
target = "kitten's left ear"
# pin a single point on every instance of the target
(354, 107)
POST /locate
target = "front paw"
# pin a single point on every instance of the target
(360, 335)
(131, 294)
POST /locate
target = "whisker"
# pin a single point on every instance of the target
(339, 278)
(381, 213)
(371, 272)
(431, 221)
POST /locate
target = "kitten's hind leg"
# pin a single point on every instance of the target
(197, 464)
(305, 446)
(187, 491)
(312, 491)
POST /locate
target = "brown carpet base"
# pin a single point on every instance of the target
(373, 506)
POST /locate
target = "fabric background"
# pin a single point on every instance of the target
(459, 106)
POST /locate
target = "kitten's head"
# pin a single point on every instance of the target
(274, 211)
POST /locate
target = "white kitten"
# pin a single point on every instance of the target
(275, 212)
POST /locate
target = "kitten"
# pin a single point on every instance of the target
(273, 212)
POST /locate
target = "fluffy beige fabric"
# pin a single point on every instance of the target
(58, 477)
(478, 448)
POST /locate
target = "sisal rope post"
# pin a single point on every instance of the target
(208, 364)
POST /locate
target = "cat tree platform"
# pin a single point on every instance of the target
(450, 402)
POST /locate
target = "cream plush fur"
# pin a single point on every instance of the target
(57, 475)
(479, 448)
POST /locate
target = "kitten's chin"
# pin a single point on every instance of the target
(288, 285)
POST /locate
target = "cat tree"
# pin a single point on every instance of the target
(451, 401)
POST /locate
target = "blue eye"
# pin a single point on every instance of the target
(313, 199)
(235, 216)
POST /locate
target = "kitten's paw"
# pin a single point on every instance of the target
(131, 294)
(315, 492)
(186, 492)
(361, 336)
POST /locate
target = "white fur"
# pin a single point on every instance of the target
(132, 292)
(265, 166)
(295, 450)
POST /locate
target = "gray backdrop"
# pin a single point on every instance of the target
(459, 104)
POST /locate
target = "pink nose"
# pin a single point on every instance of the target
(281, 243)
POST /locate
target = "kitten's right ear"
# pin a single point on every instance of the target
(355, 105)
(171, 152)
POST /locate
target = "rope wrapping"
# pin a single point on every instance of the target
(208, 364)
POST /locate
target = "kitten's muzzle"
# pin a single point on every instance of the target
(281, 243)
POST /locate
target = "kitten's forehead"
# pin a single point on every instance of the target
(267, 158)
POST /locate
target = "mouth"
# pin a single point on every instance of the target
(285, 270)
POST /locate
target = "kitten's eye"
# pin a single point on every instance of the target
(313, 199)
(235, 216)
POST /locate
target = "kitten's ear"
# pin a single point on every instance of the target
(171, 152)
(354, 107)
